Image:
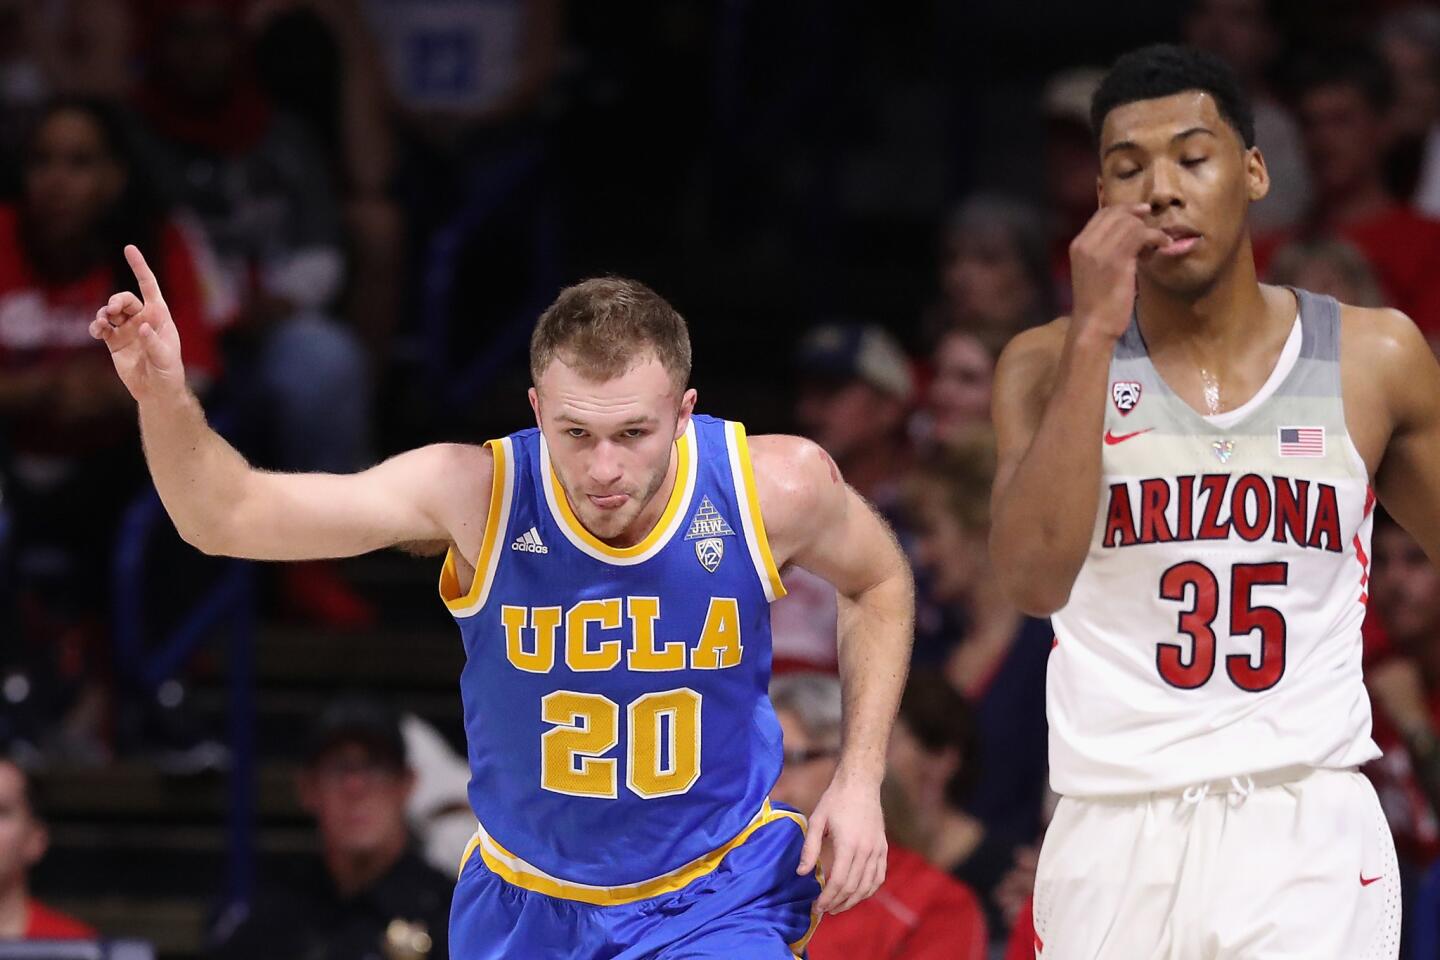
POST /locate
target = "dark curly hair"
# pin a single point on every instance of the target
(1164, 69)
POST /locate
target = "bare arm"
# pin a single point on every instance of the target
(818, 522)
(1049, 409)
(221, 505)
(1394, 355)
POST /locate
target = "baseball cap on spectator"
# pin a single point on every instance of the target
(358, 720)
(847, 351)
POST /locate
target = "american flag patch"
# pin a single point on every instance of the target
(1302, 441)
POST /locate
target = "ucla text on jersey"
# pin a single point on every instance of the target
(621, 739)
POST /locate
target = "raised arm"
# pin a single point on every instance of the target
(221, 505)
(817, 521)
(1049, 410)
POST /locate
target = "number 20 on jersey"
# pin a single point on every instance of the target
(663, 755)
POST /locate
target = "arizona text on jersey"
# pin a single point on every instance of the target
(1215, 628)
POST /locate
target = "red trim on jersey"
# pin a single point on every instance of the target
(1360, 554)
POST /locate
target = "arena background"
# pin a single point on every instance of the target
(371, 200)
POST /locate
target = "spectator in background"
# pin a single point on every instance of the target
(1244, 35)
(66, 422)
(439, 808)
(1409, 39)
(468, 82)
(23, 840)
(1404, 684)
(995, 274)
(372, 895)
(855, 392)
(957, 400)
(261, 188)
(319, 60)
(935, 759)
(459, 69)
(49, 49)
(991, 654)
(919, 913)
(1344, 99)
(1329, 266)
(1072, 168)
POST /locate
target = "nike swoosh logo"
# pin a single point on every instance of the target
(1112, 439)
(1365, 883)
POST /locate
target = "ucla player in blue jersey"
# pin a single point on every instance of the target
(610, 572)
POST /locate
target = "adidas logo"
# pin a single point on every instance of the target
(529, 542)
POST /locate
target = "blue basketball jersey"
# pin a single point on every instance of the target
(621, 738)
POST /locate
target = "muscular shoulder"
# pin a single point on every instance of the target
(1025, 374)
(797, 482)
(1384, 354)
(1033, 355)
(463, 471)
(454, 481)
(1378, 334)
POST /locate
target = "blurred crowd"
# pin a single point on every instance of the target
(325, 188)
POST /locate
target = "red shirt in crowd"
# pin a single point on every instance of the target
(47, 924)
(1413, 822)
(919, 913)
(47, 325)
(1023, 942)
(1403, 248)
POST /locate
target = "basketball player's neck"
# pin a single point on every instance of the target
(1223, 320)
(14, 909)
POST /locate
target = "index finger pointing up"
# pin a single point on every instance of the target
(149, 289)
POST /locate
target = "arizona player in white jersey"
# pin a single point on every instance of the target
(1185, 487)
(620, 765)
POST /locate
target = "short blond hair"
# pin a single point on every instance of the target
(605, 325)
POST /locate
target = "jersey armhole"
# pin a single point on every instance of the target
(497, 521)
(751, 521)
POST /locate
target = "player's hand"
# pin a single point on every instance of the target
(143, 342)
(849, 814)
(1103, 260)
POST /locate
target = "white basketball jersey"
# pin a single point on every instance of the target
(1214, 630)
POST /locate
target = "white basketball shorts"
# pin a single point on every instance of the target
(1298, 865)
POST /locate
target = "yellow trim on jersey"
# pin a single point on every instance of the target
(513, 870)
(751, 505)
(470, 848)
(798, 947)
(684, 454)
(489, 543)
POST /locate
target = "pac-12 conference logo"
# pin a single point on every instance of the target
(1126, 394)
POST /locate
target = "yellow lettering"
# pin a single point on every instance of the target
(644, 611)
(719, 645)
(546, 621)
(578, 654)
(587, 726)
(663, 766)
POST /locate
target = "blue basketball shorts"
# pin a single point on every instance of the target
(751, 905)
